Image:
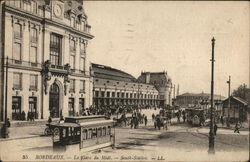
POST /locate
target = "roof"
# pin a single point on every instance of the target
(203, 95)
(107, 72)
(239, 100)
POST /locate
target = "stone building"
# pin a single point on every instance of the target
(44, 63)
(115, 87)
(162, 83)
(197, 99)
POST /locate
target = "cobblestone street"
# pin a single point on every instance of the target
(145, 143)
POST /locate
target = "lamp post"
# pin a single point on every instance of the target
(211, 132)
(229, 104)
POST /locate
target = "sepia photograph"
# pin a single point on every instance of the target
(107, 80)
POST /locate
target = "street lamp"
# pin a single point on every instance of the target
(229, 104)
(211, 132)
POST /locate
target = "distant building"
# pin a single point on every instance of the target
(115, 87)
(194, 99)
(162, 83)
(48, 70)
(238, 110)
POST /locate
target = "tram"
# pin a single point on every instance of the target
(83, 133)
(194, 116)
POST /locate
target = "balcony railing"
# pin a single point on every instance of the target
(23, 63)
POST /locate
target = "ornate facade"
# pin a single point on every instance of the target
(44, 62)
(162, 82)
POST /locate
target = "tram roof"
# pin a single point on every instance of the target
(84, 124)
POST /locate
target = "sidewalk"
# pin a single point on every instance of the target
(26, 129)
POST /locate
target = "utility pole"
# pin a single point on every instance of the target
(211, 133)
(229, 102)
(174, 91)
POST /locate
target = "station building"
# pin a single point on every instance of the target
(116, 87)
(44, 62)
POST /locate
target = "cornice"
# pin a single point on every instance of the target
(25, 14)
(70, 29)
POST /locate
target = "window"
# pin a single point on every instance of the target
(102, 94)
(33, 34)
(17, 4)
(26, 6)
(72, 45)
(81, 105)
(118, 94)
(108, 94)
(17, 80)
(82, 63)
(82, 48)
(34, 6)
(113, 94)
(96, 93)
(17, 51)
(72, 85)
(72, 61)
(33, 54)
(99, 132)
(84, 134)
(82, 85)
(90, 132)
(33, 82)
(71, 107)
(94, 133)
(104, 131)
(17, 31)
(55, 49)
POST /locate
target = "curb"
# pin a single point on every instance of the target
(17, 138)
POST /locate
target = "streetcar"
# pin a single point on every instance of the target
(83, 133)
(195, 117)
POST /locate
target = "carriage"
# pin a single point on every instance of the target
(195, 116)
(83, 133)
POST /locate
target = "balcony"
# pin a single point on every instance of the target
(22, 64)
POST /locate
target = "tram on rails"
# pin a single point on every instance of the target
(83, 133)
(195, 117)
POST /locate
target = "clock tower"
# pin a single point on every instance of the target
(57, 10)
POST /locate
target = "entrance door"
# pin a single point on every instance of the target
(54, 101)
(33, 106)
(16, 108)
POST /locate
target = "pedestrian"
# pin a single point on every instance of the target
(49, 120)
(145, 120)
(32, 117)
(237, 127)
(215, 129)
(222, 120)
(23, 115)
(153, 116)
(184, 116)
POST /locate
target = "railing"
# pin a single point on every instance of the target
(23, 63)
(58, 67)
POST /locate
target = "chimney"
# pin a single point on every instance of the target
(147, 77)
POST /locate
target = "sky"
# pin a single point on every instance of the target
(173, 36)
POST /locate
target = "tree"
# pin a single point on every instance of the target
(243, 92)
